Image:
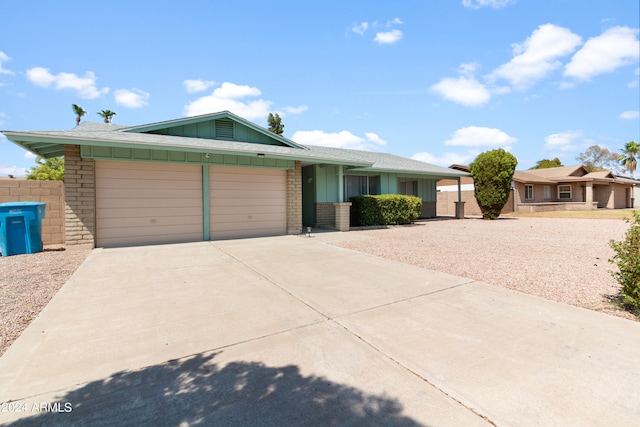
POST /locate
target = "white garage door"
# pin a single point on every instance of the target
(247, 202)
(144, 203)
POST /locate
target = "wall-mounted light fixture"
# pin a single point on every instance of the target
(206, 156)
(261, 155)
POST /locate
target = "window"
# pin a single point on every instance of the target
(409, 188)
(528, 192)
(547, 192)
(564, 192)
(358, 185)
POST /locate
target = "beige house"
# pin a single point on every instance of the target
(571, 188)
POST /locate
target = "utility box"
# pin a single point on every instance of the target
(21, 227)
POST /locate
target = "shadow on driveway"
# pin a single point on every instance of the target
(196, 390)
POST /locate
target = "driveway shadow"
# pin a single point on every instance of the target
(197, 391)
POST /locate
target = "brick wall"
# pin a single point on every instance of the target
(49, 192)
(80, 198)
(325, 215)
(294, 199)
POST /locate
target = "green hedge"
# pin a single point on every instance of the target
(385, 209)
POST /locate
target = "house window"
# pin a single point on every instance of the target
(564, 192)
(355, 185)
(547, 192)
(409, 188)
(528, 192)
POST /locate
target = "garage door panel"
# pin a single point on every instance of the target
(247, 202)
(141, 203)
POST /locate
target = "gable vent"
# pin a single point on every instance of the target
(224, 129)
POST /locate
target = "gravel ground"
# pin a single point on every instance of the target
(560, 259)
(27, 283)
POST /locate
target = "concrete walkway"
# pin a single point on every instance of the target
(293, 331)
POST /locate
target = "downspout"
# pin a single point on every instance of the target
(459, 190)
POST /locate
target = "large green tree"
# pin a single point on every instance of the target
(48, 170)
(598, 158)
(275, 124)
(546, 163)
(107, 115)
(492, 173)
(79, 112)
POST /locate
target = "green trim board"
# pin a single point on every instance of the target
(166, 156)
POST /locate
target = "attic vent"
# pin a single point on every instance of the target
(224, 129)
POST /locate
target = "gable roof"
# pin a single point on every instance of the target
(162, 135)
(559, 172)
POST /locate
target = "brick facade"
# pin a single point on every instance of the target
(325, 215)
(49, 192)
(294, 199)
(343, 216)
(80, 198)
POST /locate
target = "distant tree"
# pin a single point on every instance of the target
(48, 170)
(79, 112)
(107, 115)
(546, 163)
(492, 173)
(629, 157)
(275, 124)
(598, 158)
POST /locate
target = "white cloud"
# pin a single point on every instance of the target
(4, 58)
(29, 155)
(462, 90)
(612, 49)
(476, 136)
(477, 4)
(360, 28)
(198, 85)
(134, 98)
(388, 37)
(343, 139)
(13, 170)
(84, 86)
(563, 141)
(537, 56)
(233, 97)
(295, 110)
(446, 159)
(630, 115)
(229, 96)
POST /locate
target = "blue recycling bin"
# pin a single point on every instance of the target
(21, 227)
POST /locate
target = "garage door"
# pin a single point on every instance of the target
(247, 202)
(145, 203)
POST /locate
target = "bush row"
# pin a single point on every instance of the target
(385, 209)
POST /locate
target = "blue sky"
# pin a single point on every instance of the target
(439, 80)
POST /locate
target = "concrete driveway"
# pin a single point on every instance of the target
(293, 331)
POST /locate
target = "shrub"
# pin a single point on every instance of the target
(627, 259)
(492, 173)
(385, 209)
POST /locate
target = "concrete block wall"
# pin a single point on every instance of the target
(294, 199)
(49, 192)
(80, 198)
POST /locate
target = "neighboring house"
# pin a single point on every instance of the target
(448, 195)
(571, 188)
(215, 176)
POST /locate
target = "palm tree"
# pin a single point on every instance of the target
(107, 115)
(629, 156)
(629, 159)
(79, 111)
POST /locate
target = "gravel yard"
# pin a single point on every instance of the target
(27, 283)
(560, 259)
